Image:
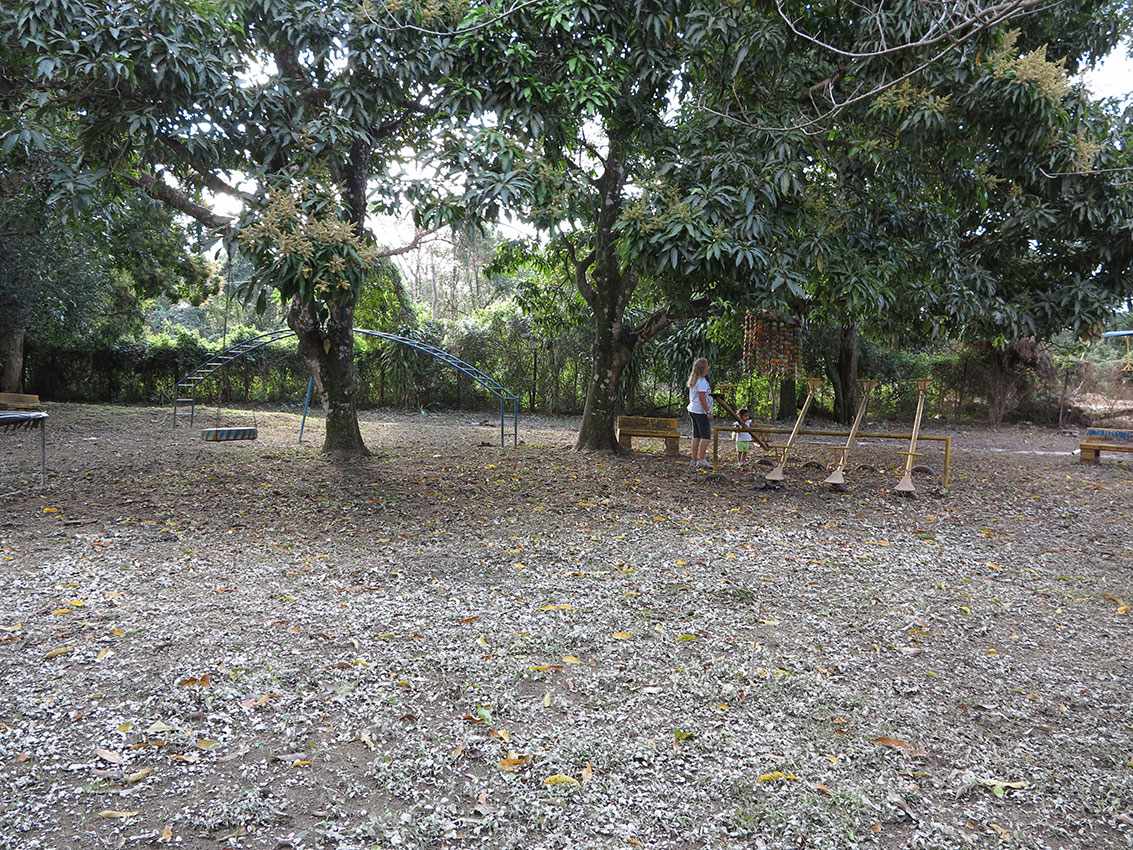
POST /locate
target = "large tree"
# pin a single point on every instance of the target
(687, 145)
(299, 113)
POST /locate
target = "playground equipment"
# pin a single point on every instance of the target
(777, 474)
(185, 394)
(655, 427)
(18, 413)
(905, 485)
(812, 386)
(836, 477)
(1111, 439)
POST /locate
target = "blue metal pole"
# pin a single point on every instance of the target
(306, 405)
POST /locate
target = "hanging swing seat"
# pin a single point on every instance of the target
(224, 435)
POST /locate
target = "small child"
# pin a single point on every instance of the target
(743, 439)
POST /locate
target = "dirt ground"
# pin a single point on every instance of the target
(448, 645)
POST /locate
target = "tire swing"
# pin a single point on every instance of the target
(228, 433)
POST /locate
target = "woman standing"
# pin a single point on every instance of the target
(700, 408)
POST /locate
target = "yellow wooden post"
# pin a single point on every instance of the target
(837, 476)
(905, 485)
(812, 386)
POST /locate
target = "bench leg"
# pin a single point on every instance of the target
(672, 446)
(626, 442)
(1090, 455)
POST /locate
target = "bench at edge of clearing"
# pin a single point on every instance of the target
(653, 427)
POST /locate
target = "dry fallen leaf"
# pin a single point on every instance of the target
(622, 635)
(560, 779)
(899, 744)
(167, 833)
(116, 813)
(110, 756)
(58, 651)
(206, 744)
(587, 773)
(138, 775)
(561, 606)
(571, 659)
(124, 727)
(513, 763)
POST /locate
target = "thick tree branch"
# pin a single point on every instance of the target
(416, 242)
(209, 179)
(157, 188)
(660, 319)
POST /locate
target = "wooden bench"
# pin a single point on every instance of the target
(19, 401)
(656, 427)
(1100, 440)
(27, 415)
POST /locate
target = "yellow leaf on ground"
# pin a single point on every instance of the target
(124, 727)
(103, 654)
(167, 833)
(18, 627)
(687, 636)
(560, 779)
(561, 606)
(544, 668)
(622, 635)
(58, 651)
(571, 659)
(116, 813)
(77, 603)
(778, 776)
(50, 509)
(513, 763)
(60, 612)
(118, 631)
(206, 744)
(301, 763)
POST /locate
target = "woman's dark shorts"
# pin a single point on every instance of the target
(701, 426)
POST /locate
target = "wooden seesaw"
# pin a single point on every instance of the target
(837, 477)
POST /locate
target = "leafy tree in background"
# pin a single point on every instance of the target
(300, 112)
(70, 273)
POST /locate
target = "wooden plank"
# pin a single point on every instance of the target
(648, 423)
(19, 401)
(635, 432)
(1118, 436)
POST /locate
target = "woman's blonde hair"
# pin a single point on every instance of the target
(699, 370)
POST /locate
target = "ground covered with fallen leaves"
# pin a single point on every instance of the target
(448, 645)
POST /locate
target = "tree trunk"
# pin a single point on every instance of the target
(329, 352)
(788, 399)
(12, 360)
(844, 375)
(609, 356)
(999, 386)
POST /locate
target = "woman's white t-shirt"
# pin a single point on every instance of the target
(701, 386)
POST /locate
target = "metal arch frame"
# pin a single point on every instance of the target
(509, 403)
